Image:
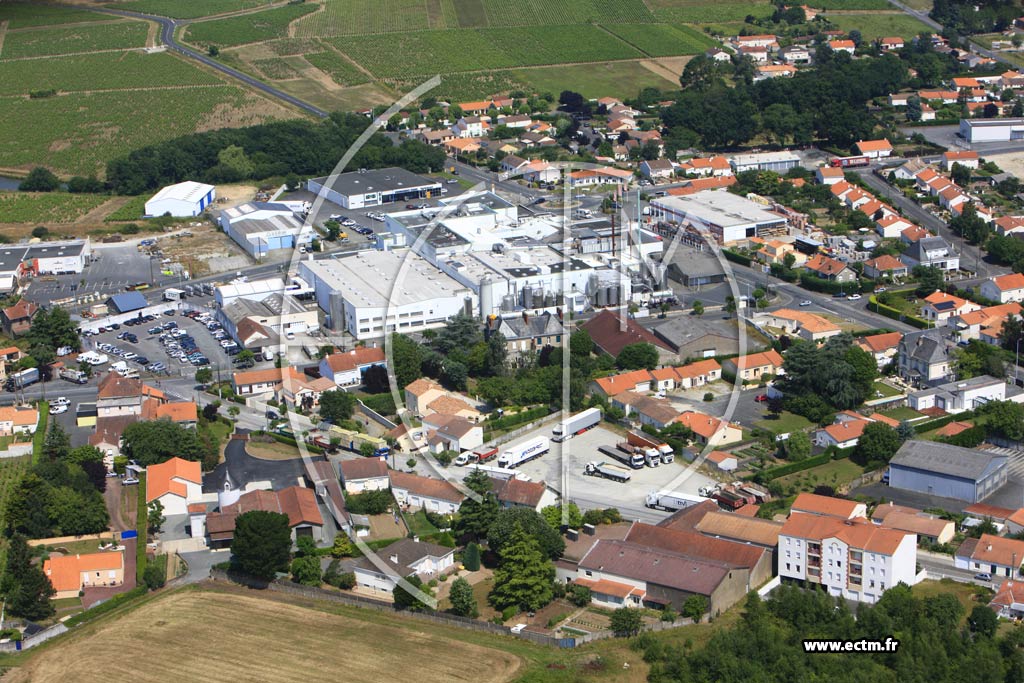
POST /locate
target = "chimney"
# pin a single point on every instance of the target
(988, 548)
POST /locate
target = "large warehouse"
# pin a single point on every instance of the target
(183, 199)
(991, 130)
(359, 189)
(948, 471)
(260, 227)
(358, 291)
(50, 258)
(727, 217)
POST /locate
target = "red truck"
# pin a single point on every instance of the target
(729, 499)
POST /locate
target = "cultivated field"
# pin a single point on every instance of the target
(185, 10)
(247, 28)
(341, 71)
(28, 14)
(71, 40)
(709, 12)
(47, 207)
(211, 636)
(614, 79)
(662, 40)
(879, 25)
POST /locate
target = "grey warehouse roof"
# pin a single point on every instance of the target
(380, 180)
(940, 458)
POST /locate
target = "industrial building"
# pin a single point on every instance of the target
(363, 188)
(43, 258)
(261, 324)
(725, 216)
(991, 130)
(262, 227)
(948, 471)
(182, 199)
(780, 162)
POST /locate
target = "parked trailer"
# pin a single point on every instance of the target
(73, 375)
(608, 471)
(661, 449)
(173, 294)
(501, 473)
(351, 441)
(480, 454)
(576, 424)
(634, 460)
(20, 380)
(729, 499)
(671, 501)
(850, 162)
(524, 452)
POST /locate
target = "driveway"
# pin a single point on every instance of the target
(240, 469)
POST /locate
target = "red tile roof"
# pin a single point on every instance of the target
(65, 572)
(626, 381)
(825, 505)
(363, 468)
(611, 333)
(163, 478)
(356, 358)
(425, 486)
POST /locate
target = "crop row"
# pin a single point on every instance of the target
(132, 210)
(354, 17)
(564, 12)
(662, 40)
(27, 14)
(71, 39)
(462, 87)
(341, 71)
(705, 12)
(247, 28)
(102, 71)
(46, 207)
(441, 52)
(177, 9)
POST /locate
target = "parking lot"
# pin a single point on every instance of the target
(593, 492)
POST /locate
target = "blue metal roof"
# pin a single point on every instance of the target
(128, 301)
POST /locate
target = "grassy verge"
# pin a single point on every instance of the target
(902, 413)
(835, 474)
(142, 526)
(885, 390)
(40, 436)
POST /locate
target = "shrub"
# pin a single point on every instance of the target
(509, 612)
(709, 396)
(155, 574)
(578, 595)
(471, 557)
(369, 502)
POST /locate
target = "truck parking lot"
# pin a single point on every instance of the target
(591, 491)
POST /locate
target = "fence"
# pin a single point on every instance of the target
(375, 416)
(369, 603)
(863, 480)
(17, 450)
(34, 639)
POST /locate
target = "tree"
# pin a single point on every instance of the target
(57, 444)
(306, 570)
(983, 621)
(471, 557)
(509, 520)
(154, 576)
(262, 543)
(960, 174)
(205, 375)
(929, 279)
(337, 405)
(876, 445)
(19, 562)
(409, 600)
(40, 179)
(30, 598)
(212, 50)
(797, 447)
(343, 546)
(640, 355)
(370, 502)
(406, 360)
(462, 599)
(234, 159)
(626, 622)
(905, 431)
(553, 516)
(524, 576)
(154, 441)
(580, 344)
(454, 375)
(155, 516)
(695, 607)
(571, 101)
(210, 411)
(856, 37)
(698, 308)
(579, 595)
(244, 356)
(477, 516)
(913, 108)
(376, 380)
(970, 225)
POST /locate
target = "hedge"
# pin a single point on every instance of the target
(790, 468)
(383, 404)
(894, 314)
(819, 284)
(922, 427)
(737, 257)
(106, 606)
(522, 417)
(39, 438)
(142, 526)
(281, 438)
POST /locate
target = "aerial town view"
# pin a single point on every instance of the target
(512, 341)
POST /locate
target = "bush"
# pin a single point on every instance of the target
(736, 257)
(510, 421)
(508, 613)
(578, 595)
(369, 502)
(894, 314)
(381, 403)
(471, 557)
(709, 396)
(155, 574)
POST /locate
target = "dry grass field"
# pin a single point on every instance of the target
(212, 636)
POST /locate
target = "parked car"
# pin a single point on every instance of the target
(983, 576)
(57, 410)
(853, 297)
(806, 302)
(761, 398)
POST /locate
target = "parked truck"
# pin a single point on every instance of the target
(352, 441)
(500, 473)
(526, 451)
(173, 294)
(73, 375)
(663, 451)
(20, 380)
(576, 424)
(671, 501)
(634, 460)
(730, 500)
(479, 454)
(608, 471)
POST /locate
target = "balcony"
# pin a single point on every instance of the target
(856, 570)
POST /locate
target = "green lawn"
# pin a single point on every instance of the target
(885, 390)
(787, 422)
(834, 473)
(82, 547)
(874, 26)
(967, 594)
(621, 79)
(419, 525)
(901, 414)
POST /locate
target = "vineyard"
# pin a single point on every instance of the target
(11, 472)
(29, 14)
(874, 26)
(468, 86)
(46, 207)
(662, 40)
(247, 28)
(176, 9)
(441, 52)
(356, 17)
(102, 71)
(132, 210)
(614, 79)
(341, 71)
(709, 12)
(276, 69)
(60, 41)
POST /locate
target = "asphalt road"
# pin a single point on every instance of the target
(922, 16)
(167, 29)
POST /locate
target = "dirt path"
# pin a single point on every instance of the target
(3, 32)
(103, 210)
(122, 504)
(291, 24)
(659, 67)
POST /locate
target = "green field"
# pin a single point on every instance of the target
(834, 473)
(706, 12)
(787, 422)
(443, 52)
(902, 413)
(874, 26)
(79, 133)
(190, 9)
(247, 28)
(615, 79)
(55, 207)
(68, 40)
(341, 71)
(102, 71)
(28, 14)
(276, 68)
(850, 4)
(130, 211)
(662, 40)
(461, 87)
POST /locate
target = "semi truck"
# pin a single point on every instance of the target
(500, 473)
(526, 451)
(479, 454)
(576, 424)
(665, 452)
(20, 380)
(729, 499)
(608, 471)
(73, 375)
(173, 294)
(671, 501)
(352, 441)
(634, 460)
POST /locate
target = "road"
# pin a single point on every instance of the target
(941, 567)
(167, 29)
(922, 16)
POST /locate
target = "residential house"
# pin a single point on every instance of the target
(298, 503)
(829, 506)
(851, 558)
(807, 326)
(952, 197)
(841, 434)
(471, 127)
(830, 269)
(931, 251)
(966, 158)
(891, 43)
(940, 307)
(119, 395)
(648, 410)
(757, 53)
(347, 367)
(718, 54)
(599, 176)
(924, 357)
(403, 559)
(1004, 288)
(1008, 601)
(1008, 225)
(17, 318)
(766, 71)
(303, 392)
(710, 430)
(18, 420)
(611, 333)
(885, 266)
(526, 335)
(827, 175)
(883, 347)
(176, 483)
(256, 382)
(435, 138)
(716, 166)
(664, 379)
(847, 46)
(657, 169)
(70, 574)
(434, 495)
(761, 40)
(419, 393)
(364, 474)
(961, 395)
(796, 54)
(890, 226)
(943, 96)
(514, 492)
(754, 367)
(446, 432)
(874, 149)
(899, 99)
(540, 171)
(513, 164)
(698, 374)
(634, 380)
(928, 528)
(984, 324)
(995, 555)
(913, 234)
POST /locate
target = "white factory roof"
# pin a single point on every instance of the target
(720, 208)
(255, 288)
(188, 191)
(375, 278)
(763, 158)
